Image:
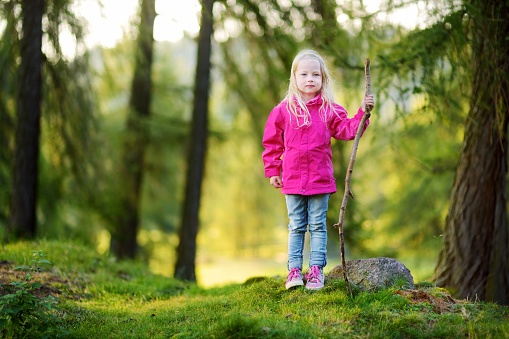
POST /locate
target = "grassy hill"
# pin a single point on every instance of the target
(97, 297)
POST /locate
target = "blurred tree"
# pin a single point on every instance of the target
(69, 125)
(66, 117)
(186, 250)
(419, 79)
(460, 64)
(474, 258)
(256, 62)
(125, 230)
(168, 128)
(22, 219)
(9, 51)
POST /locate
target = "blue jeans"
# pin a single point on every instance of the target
(304, 211)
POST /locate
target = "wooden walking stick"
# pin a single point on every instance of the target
(348, 191)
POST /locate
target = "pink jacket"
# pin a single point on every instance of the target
(303, 156)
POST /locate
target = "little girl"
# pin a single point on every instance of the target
(298, 159)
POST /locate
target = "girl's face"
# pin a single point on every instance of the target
(309, 78)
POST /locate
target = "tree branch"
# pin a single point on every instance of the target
(348, 191)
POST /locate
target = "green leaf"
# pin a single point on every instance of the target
(17, 284)
(50, 306)
(14, 310)
(36, 285)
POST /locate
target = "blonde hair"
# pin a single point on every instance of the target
(327, 108)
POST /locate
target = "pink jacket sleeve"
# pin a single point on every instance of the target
(273, 143)
(342, 127)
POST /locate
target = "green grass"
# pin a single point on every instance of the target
(101, 298)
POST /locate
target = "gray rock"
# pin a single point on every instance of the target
(374, 273)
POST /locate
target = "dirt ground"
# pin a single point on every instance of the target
(52, 283)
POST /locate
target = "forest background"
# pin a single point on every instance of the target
(93, 137)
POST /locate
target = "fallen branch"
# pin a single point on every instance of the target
(348, 191)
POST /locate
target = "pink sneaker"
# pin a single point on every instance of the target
(294, 278)
(314, 278)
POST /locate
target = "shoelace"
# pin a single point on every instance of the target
(313, 274)
(294, 273)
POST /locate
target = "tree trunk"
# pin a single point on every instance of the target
(186, 250)
(22, 219)
(123, 239)
(473, 262)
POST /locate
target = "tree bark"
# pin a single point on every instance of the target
(22, 218)
(186, 250)
(473, 262)
(123, 242)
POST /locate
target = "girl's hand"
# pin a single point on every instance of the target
(276, 182)
(368, 101)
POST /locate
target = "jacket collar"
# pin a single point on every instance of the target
(317, 100)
